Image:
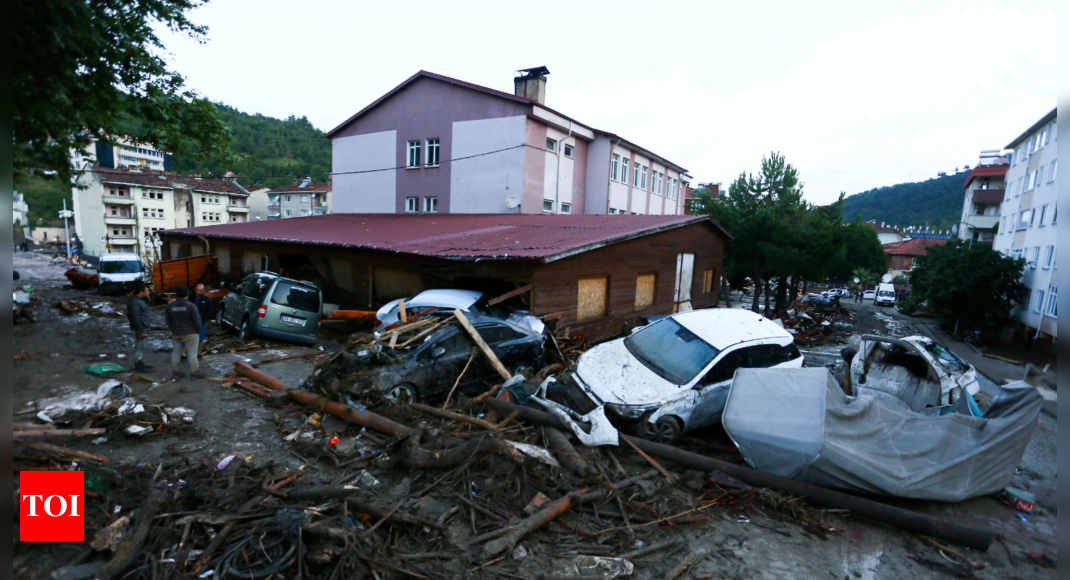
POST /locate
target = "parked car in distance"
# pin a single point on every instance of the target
(837, 292)
(446, 299)
(869, 295)
(885, 295)
(427, 372)
(269, 305)
(117, 272)
(673, 375)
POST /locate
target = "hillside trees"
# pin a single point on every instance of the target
(85, 70)
(935, 202)
(862, 250)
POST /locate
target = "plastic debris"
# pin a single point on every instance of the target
(103, 368)
(223, 464)
(137, 430)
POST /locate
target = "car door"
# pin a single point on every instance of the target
(234, 303)
(439, 363)
(713, 387)
(512, 347)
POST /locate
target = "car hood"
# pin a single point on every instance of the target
(615, 376)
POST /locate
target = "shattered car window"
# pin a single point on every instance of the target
(670, 350)
(293, 296)
(947, 358)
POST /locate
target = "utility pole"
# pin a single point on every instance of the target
(65, 214)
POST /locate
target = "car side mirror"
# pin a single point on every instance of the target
(437, 352)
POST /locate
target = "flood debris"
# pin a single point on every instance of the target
(817, 321)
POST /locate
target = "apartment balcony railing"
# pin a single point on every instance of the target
(319, 210)
(238, 209)
(273, 204)
(115, 199)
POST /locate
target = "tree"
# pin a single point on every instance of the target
(865, 277)
(92, 69)
(863, 250)
(976, 288)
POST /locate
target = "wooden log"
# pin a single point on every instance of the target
(542, 517)
(130, 549)
(689, 560)
(566, 453)
(413, 455)
(361, 316)
(482, 344)
(60, 451)
(463, 418)
(510, 294)
(907, 520)
(59, 432)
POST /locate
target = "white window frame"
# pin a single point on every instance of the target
(431, 204)
(1043, 214)
(635, 174)
(1049, 254)
(287, 213)
(412, 155)
(566, 208)
(1039, 302)
(1003, 225)
(624, 170)
(434, 146)
(615, 168)
(645, 170)
(570, 151)
(551, 145)
(1054, 167)
(1036, 257)
(1052, 308)
(304, 199)
(412, 204)
(612, 211)
(547, 206)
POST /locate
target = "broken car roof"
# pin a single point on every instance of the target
(723, 327)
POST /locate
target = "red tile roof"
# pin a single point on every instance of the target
(136, 178)
(458, 236)
(227, 186)
(982, 171)
(882, 229)
(913, 247)
(295, 187)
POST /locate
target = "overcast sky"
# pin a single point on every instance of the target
(856, 95)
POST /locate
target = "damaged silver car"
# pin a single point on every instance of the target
(914, 371)
(673, 375)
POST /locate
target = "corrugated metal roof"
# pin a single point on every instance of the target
(457, 236)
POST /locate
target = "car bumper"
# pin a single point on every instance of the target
(305, 339)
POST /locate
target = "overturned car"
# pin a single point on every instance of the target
(672, 375)
(913, 371)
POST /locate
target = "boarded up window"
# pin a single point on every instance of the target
(707, 281)
(644, 290)
(591, 302)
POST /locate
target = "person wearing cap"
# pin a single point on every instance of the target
(137, 311)
(184, 320)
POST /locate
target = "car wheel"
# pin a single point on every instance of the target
(245, 332)
(403, 393)
(665, 430)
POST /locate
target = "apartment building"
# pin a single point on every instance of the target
(435, 144)
(985, 188)
(299, 199)
(120, 210)
(125, 154)
(1028, 223)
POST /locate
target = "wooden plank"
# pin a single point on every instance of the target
(482, 344)
(58, 432)
(510, 294)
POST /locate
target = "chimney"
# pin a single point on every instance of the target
(530, 83)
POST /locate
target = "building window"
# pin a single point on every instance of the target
(1049, 253)
(286, 213)
(624, 171)
(414, 154)
(412, 204)
(551, 145)
(1051, 174)
(566, 208)
(432, 152)
(289, 198)
(304, 199)
(1024, 218)
(430, 205)
(707, 281)
(643, 186)
(548, 206)
(1036, 257)
(1039, 304)
(591, 297)
(570, 151)
(1003, 225)
(1043, 214)
(1053, 302)
(645, 287)
(615, 170)
(622, 212)
(612, 211)
(635, 175)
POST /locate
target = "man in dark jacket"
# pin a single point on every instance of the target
(204, 308)
(185, 323)
(137, 311)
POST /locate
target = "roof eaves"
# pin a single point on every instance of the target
(634, 235)
(1045, 120)
(644, 150)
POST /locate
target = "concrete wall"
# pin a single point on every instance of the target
(597, 176)
(482, 184)
(374, 192)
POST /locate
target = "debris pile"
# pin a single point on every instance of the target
(815, 324)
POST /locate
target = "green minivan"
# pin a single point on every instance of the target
(266, 304)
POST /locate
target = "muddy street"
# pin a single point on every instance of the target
(237, 479)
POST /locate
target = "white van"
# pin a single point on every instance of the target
(119, 270)
(885, 295)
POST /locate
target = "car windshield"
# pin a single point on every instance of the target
(887, 293)
(947, 358)
(116, 267)
(294, 296)
(670, 350)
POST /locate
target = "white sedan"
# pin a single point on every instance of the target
(869, 295)
(674, 374)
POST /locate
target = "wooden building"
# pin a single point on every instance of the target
(593, 274)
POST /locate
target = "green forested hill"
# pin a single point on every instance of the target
(934, 202)
(274, 152)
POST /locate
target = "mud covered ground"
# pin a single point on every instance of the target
(745, 538)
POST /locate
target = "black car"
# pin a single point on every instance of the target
(428, 372)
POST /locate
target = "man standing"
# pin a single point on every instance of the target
(137, 311)
(185, 323)
(204, 308)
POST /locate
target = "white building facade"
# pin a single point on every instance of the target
(1028, 223)
(985, 189)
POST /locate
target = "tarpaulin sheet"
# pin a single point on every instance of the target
(798, 423)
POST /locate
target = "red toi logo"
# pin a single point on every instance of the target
(52, 506)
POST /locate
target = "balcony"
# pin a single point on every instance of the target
(273, 204)
(982, 222)
(122, 241)
(237, 209)
(120, 220)
(319, 211)
(988, 195)
(115, 199)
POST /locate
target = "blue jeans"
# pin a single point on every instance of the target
(204, 327)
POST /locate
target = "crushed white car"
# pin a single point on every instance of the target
(913, 371)
(672, 375)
